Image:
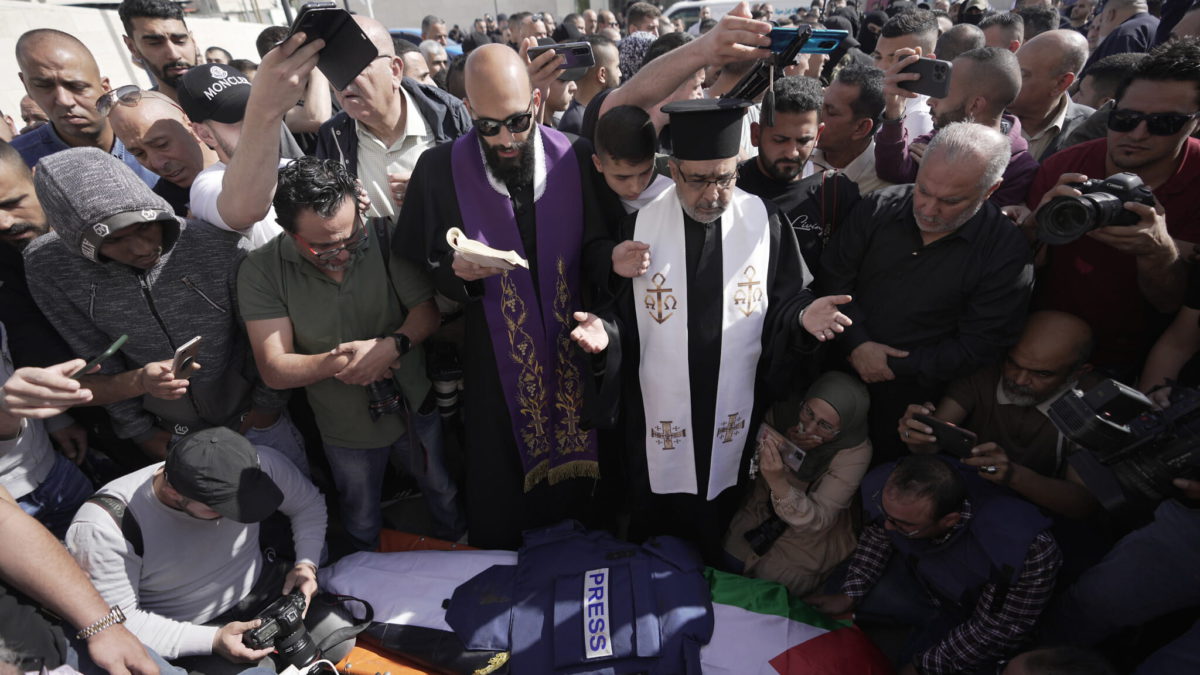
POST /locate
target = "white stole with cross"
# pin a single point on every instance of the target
(661, 301)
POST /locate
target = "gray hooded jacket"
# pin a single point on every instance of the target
(87, 194)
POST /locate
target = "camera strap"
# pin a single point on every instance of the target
(342, 634)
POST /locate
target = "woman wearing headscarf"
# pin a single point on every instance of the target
(796, 526)
(868, 34)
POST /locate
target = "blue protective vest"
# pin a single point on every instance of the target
(990, 548)
(586, 602)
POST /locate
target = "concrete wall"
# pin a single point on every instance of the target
(101, 31)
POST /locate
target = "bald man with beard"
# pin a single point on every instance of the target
(155, 130)
(387, 120)
(61, 76)
(517, 186)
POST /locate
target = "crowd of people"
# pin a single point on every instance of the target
(821, 336)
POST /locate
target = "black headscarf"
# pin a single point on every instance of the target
(867, 38)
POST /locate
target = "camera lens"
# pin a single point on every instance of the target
(382, 398)
(298, 649)
(1065, 219)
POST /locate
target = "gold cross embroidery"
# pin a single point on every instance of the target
(748, 294)
(667, 434)
(660, 307)
(732, 424)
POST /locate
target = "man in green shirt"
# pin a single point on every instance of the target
(328, 308)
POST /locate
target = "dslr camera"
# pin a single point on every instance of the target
(283, 628)
(1064, 219)
(1130, 451)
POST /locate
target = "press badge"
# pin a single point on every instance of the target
(597, 641)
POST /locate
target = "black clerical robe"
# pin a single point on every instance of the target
(784, 343)
(497, 507)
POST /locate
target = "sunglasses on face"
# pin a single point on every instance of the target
(129, 95)
(517, 123)
(357, 238)
(1158, 124)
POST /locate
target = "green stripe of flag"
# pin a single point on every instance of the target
(765, 597)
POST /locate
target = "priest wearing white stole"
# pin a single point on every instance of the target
(711, 317)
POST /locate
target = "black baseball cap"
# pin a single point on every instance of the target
(215, 92)
(220, 469)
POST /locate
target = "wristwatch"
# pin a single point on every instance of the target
(403, 343)
(114, 617)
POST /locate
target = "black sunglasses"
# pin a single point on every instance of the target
(1159, 124)
(517, 123)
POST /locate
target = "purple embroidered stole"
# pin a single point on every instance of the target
(541, 370)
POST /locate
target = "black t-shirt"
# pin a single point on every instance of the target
(175, 195)
(1193, 290)
(813, 206)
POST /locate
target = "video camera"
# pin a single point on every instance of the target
(1132, 451)
(1064, 219)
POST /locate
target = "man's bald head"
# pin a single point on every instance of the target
(159, 135)
(61, 75)
(35, 42)
(495, 77)
(961, 38)
(1052, 352)
(1064, 51)
(377, 33)
(991, 73)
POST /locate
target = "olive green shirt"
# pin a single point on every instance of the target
(276, 282)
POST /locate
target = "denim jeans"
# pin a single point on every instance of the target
(55, 501)
(358, 475)
(284, 437)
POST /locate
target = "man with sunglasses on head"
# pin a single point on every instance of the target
(329, 308)
(968, 566)
(1124, 280)
(61, 76)
(158, 133)
(519, 186)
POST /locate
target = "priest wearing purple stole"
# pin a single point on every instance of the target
(712, 321)
(515, 185)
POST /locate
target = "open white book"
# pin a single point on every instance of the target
(482, 254)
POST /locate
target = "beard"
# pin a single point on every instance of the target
(782, 170)
(959, 114)
(713, 210)
(510, 170)
(171, 80)
(14, 234)
(940, 226)
(1020, 396)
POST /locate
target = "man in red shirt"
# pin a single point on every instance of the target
(1123, 280)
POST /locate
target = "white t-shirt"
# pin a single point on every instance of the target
(204, 193)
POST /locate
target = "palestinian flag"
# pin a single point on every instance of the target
(761, 630)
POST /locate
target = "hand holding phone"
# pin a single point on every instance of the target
(347, 49)
(576, 54)
(112, 349)
(184, 362)
(933, 80)
(951, 439)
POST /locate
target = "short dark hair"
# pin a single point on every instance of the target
(707, 25)
(1067, 660)
(797, 94)
(517, 18)
(244, 65)
(1038, 19)
(147, 9)
(1175, 61)
(640, 11)
(269, 38)
(214, 48)
(869, 103)
(402, 46)
(10, 156)
(930, 476)
(915, 22)
(1109, 72)
(1002, 81)
(664, 44)
(310, 183)
(1009, 20)
(626, 133)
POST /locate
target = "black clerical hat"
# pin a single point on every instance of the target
(706, 128)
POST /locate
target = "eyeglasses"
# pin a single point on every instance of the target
(1159, 124)
(807, 414)
(355, 241)
(900, 525)
(129, 95)
(517, 123)
(723, 182)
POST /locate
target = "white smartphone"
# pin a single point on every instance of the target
(185, 356)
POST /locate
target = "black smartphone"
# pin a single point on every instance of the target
(935, 77)
(821, 41)
(347, 48)
(578, 54)
(112, 349)
(951, 440)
